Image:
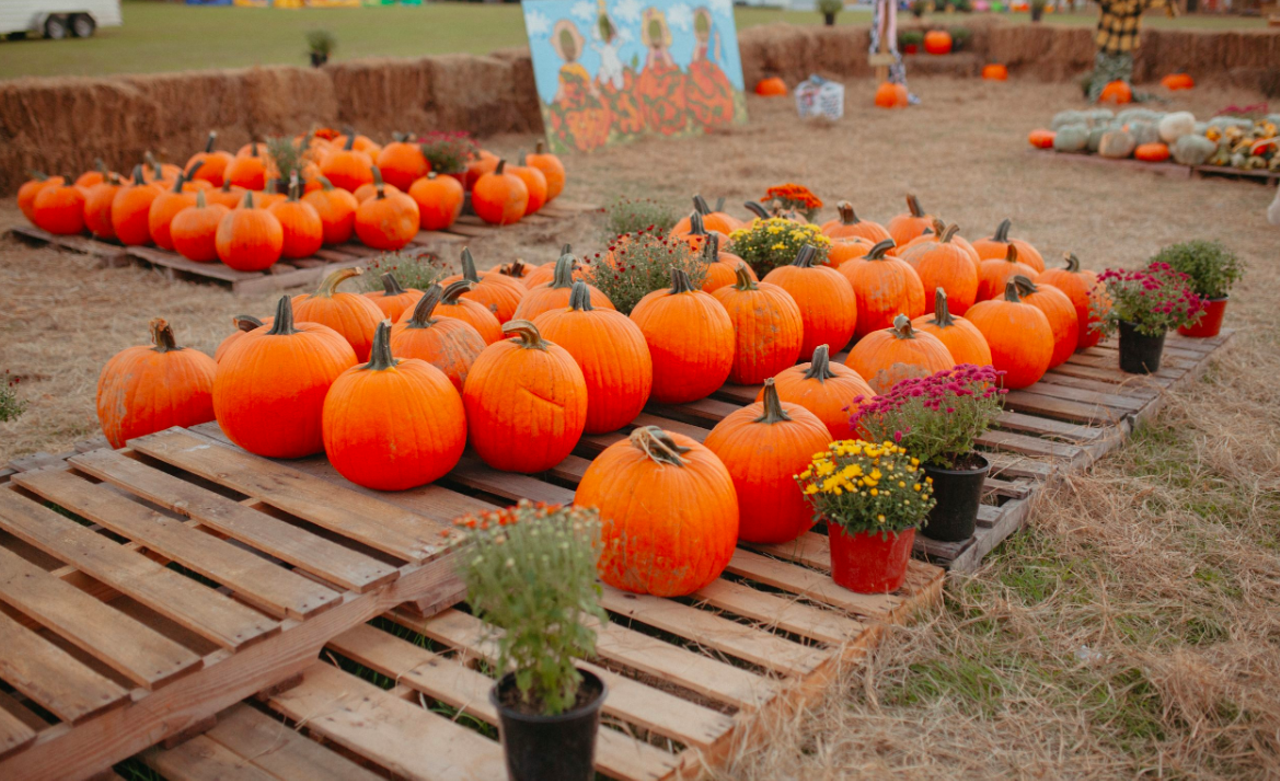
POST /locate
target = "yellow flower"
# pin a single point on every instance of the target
(901, 484)
(875, 492)
(880, 518)
(778, 246)
(916, 486)
(811, 489)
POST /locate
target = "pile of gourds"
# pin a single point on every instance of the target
(234, 208)
(1154, 136)
(520, 362)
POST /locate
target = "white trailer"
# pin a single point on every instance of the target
(58, 19)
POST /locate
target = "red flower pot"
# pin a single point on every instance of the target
(1210, 322)
(910, 48)
(869, 563)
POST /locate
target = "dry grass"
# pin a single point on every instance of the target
(1131, 631)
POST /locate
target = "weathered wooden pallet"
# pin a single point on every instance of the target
(1172, 169)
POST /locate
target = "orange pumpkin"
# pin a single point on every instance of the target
(890, 95)
(555, 294)
(690, 338)
(1079, 286)
(887, 357)
(1060, 312)
(767, 326)
(910, 224)
(500, 197)
(526, 402)
(350, 314)
(392, 299)
(160, 173)
(828, 306)
(849, 226)
(995, 72)
(248, 171)
(1155, 152)
(964, 341)
(448, 343)
(828, 390)
(669, 513)
(612, 353)
(347, 167)
(59, 209)
(937, 42)
(300, 222)
(1177, 81)
(946, 265)
(131, 208)
(387, 221)
(922, 244)
(713, 221)
(402, 163)
(997, 271)
(146, 389)
(998, 247)
(98, 175)
(722, 267)
(243, 325)
(366, 191)
(97, 207)
(226, 195)
(164, 208)
(1117, 92)
(30, 189)
(1041, 138)
(194, 230)
(476, 314)
(439, 200)
(249, 239)
(483, 163)
(270, 386)
(764, 445)
(535, 182)
(213, 162)
(772, 87)
(336, 210)
(501, 294)
(884, 287)
(551, 168)
(393, 423)
(1018, 334)
(842, 250)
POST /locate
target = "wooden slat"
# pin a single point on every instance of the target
(281, 750)
(288, 543)
(274, 588)
(208, 613)
(1064, 409)
(403, 738)
(123, 644)
(1113, 401)
(175, 261)
(473, 473)
(203, 759)
(1110, 375)
(365, 519)
(816, 586)
(1031, 446)
(703, 412)
(1132, 390)
(1048, 427)
(826, 626)
(14, 734)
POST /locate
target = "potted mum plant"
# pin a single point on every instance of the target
(910, 41)
(530, 571)
(1213, 270)
(1143, 306)
(938, 419)
(873, 497)
(320, 44)
(770, 242)
(634, 265)
(829, 9)
(449, 152)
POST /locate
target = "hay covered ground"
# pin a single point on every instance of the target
(1132, 631)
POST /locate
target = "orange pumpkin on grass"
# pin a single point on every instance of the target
(448, 343)
(828, 306)
(194, 230)
(885, 358)
(767, 326)
(501, 294)
(884, 287)
(402, 163)
(551, 168)
(347, 167)
(439, 200)
(392, 299)
(500, 197)
(59, 209)
(1019, 335)
(30, 189)
(213, 162)
(946, 265)
(1079, 286)
(476, 314)
(387, 221)
(905, 227)
(336, 209)
(997, 271)
(249, 239)
(350, 314)
(690, 338)
(772, 87)
(131, 208)
(848, 226)
(1059, 310)
(555, 294)
(393, 423)
(995, 72)
(964, 341)
(998, 246)
(146, 389)
(826, 389)
(300, 222)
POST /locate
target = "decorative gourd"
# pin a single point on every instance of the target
(1059, 311)
(30, 189)
(501, 294)
(474, 313)
(551, 168)
(612, 353)
(905, 227)
(1116, 144)
(826, 389)
(1116, 92)
(669, 513)
(59, 209)
(885, 287)
(387, 221)
(764, 445)
(402, 164)
(555, 294)
(772, 87)
(946, 265)
(146, 389)
(997, 271)
(448, 343)
(535, 182)
(995, 72)
(767, 326)
(500, 197)
(526, 402)
(336, 210)
(213, 162)
(722, 267)
(393, 423)
(97, 207)
(1155, 152)
(249, 239)
(243, 324)
(998, 247)
(347, 167)
(829, 309)
(690, 338)
(439, 200)
(937, 42)
(1079, 285)
(891, 95)
(269, 390)
(393, 299)
(1072, 138)
(1193, 150)
(1018, 334)
(131, 208)
(1175, 125)
(194, 230)
(965, 342)
(885, 358)
(1144, 133)
(1041, 138)
(247, 171)
(350, 314)
(849, 226)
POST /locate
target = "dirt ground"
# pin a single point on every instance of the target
(1132, 631)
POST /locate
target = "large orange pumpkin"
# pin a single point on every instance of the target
(828, 306)
(885, 286)
(213, 162)
(393, 299)
(1079, 285)
(387, 221)
(669, 513)
(146, 389)
(336, 209)
(448, 343)
(767, 326)
(885, 358)
(1059, 310)
(131, 208)
(500, 293)
(500, 197)
(269, 391)
(551, 168)
(439, 200)
(945, 264)
(847, 225)
(690, 338)
(350, 314)
(194, 230)
(555, 294)
(402, 163)
(906, 226)
(612, 353)
(826, 389)
(526, 402)
(965, 342)
(300, 223)
(997, 271)
(473, 312)
(1018, 334)
(249, 239)
(97, 207)
(59, 209)
(998, 246)
(393, 423)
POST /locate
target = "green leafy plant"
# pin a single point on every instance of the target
(449, 152)
(1155, 300)
(630, 215)
(321, 42)
(918, 8)
(960, 37)
(867, 487)
(530, 570)
(638, 263)
(287, 157)
(418, 270)
(11, 406)
(910, 38)
(1212, 268)
(767, 244)
(832, 7)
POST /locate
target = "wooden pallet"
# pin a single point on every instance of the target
(1176, 170)
(285, 273)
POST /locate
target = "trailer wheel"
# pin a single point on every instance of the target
(82, 25)
(55, 28)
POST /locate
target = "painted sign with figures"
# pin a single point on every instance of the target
(610, 71)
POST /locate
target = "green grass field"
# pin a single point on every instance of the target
(170, 36)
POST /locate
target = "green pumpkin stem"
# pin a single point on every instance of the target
(680, 282)
(700, 205)
(41, 176)
(190, 173)
(711, 249)
(941, 310)
(539, 147)
(526, 332)
(351, 139)
(567, 249)
(208, 145)
(154, 163)
(390, 285)
(1011, 292)
(248, 199)
(246, 323)
(456, 289)
(913, 205)
(469, 266)
(200, 201)
(757, 208)
(804, 258)
(720, 204)
(377, 182)
(902, 327)
(563, 276)
(100, 166)
(1002, 231)
(773, 411)
(1073, 263)
(283, 324)
(880, 249)
(580, 297)
(162, 336)
(658, 445)
(138, 176)
(380, 357)
(501, 169)
(226, 185)
(820, 366)
(513, 269)
(426, 306)
(325, 184)
(253, 149)
(743, 279)
(847, 215)
(329, 285)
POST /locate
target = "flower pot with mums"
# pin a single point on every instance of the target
(1144, 305)
(530, 572)
(1212, 270)
(766, 244)
(873, 497)
(938, 419)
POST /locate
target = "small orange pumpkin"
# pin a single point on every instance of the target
(946, 265)
(30, 189)
(1079, 285)
(387, 221)
(336, 209)
(722, 267)
(402, 163)
(227, 195)
(213, 162)
(997, 271)
(998, 246)
(550, 166)
(131, 208)
(194, 230)
(890, 95)
(501, 294)
(910, 224)
(847, 225)
(300, 222)
(448, 343)
(884, 286)
(248, 171)
(59, 209)
(350, 314)
(476, 314)
(249, 239)
(1117, 92)
(826, 389)
(165, 207)
(1177, 81)
(885, 358)
(439, 200)
(1155, 152)
(1060, 312)
(500, 197)
(97, 207)
(995, 72)
(555, 294)
(1018, 334)
(1041, 138)
(347, 167)
(965, 342)
(535, 182)
(772, 87)
(392, 299)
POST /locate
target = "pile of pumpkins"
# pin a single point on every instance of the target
(235, 209)
(1153, 136)
(521, 361)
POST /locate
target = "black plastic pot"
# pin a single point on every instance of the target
(550, 748)
(958, 493)
(830, 19)
(318, 59)
(1139, 353)
(1036, 13)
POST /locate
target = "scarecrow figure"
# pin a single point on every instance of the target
(1119, 23)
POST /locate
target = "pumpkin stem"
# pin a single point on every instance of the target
(1002, 231)
(567, 249)
(1025, 286)
(456, 289)
(1011, 292)
(680, 282)
(469, 266)
(391, 286)
(941, 311)
(563, 276)
(502, 167)
(248, 199)
(41, 176)
(711, 248)
(422, 311)
(804, 258)
(100, 166)
(847, 215)
(820, 366)
(200, 201)
(913, 205)
(580, 297)
(527, 332)
(431, 175)
(700, 205)
(208, 145)
(880, 249)
(328, 286)
(190, 173)
(539, 147)
(773, 411)
(155, 164)
(720, 204)
(658, 445)
(756, 208)
(377, 182)
(246, 323)
(1011, 254)
(351, 139)
(253, 149)
(1073, 263)
(696, 226)
(744, 281)
(513, 269)
(226, 185)
(949, 232)
(380, 357)
(162, 336)
(902, 327)
(138, 176)
(283, 324)
(325, 184)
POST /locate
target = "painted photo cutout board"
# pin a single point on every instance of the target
(610, 71)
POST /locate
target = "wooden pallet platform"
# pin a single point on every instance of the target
(1172, 169)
